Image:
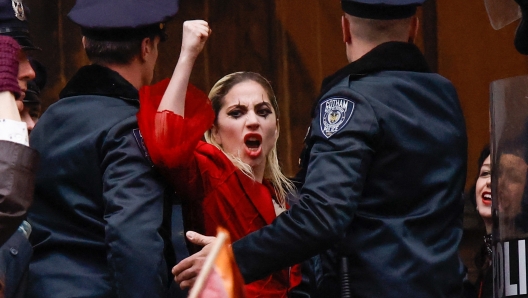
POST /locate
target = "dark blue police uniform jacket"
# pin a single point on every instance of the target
(99, 228)
(385, 171)
(15, 255)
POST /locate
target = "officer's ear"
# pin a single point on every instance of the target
(84, 42)
(413, 30)
(345, 27)
(147, 46)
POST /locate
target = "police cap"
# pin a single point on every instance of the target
(37, 84)
(122, 19)
(14, 22)
(381, 9)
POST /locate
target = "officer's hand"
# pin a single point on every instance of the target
(186, 272)
(195, 34)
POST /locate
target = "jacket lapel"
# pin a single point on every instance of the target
(259, 195)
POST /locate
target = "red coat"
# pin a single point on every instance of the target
(214, 191)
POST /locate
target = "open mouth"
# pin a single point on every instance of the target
(253, 142)
(486, 198)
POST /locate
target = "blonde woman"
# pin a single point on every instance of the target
(233, 179)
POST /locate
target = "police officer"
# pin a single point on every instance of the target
(100, 228)
(18, 162)
(386, 166)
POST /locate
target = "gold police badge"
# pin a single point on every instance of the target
(18, 7)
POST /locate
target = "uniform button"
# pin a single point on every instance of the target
(13, 251)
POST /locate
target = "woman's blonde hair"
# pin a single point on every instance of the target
(272, 171)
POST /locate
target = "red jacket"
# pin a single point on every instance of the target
(214, 191)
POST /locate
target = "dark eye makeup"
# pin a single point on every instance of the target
(262, 109)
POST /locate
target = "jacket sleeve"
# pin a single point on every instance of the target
(18, 164)
(134, 202)
(170, 138)
(15, 255)
(339, 159)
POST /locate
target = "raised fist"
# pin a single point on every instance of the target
(195, 34)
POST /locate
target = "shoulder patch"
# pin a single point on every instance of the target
(141, 145)
(335, 112)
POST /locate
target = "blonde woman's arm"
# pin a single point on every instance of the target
(195, 34)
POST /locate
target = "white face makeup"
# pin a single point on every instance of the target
(246, 125)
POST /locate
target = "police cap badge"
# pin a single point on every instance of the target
(14, 16)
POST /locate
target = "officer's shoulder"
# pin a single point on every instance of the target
(100, 106)
(342, 90)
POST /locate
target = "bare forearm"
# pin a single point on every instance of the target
(9, 108)
(174, 97)
(195, 34)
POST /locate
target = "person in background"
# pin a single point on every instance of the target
(385, 168)
(101, 213)
(480, 193)
(480, 196)
(32, 101)
(232, 180)
(18, 163)
(15, 254)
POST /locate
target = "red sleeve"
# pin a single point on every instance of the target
(171, 139)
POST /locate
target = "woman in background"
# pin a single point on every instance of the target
(480, 195)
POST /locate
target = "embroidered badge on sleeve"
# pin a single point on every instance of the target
(335, 114)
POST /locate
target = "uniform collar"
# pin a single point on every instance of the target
(99, 80)
(392, 55)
